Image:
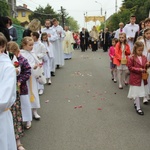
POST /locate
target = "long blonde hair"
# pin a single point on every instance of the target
(137, 44)
(34, 25)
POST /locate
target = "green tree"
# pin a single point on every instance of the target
(129, 7)
(4, 8)
(44, 13)
(73, 24)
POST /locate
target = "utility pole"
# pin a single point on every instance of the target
(116, 6)
(13, 8)
(62, 15)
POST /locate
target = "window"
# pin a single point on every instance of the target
(23, 14)
(16, 13)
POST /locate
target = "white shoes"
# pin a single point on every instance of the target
(35, 115)
(41, 92)
(145, 101)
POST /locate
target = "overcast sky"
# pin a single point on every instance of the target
(77, 8)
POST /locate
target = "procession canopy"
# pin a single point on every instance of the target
(94, 18)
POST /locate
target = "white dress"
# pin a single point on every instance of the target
(30, 56)
(51, 66)
(7, 99)
(53, 37)
(40, 51)
(122, 67)
(138, 91)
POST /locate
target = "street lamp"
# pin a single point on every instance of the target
(101, 7)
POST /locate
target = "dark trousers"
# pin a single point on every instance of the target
(94, 45)
(82, 45)
(105, 47)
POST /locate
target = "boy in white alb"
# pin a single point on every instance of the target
(130, 30)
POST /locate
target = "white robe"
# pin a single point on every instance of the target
(117, 33)
(51, 59)
(130, 31)
(58, 48)
(39, 50)
(68, 43)
(7, 98)
(53, 37)
(30, 56)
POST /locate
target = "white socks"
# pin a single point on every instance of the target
(137, 103)
(120, 77)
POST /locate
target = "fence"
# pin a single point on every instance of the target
(20, 30)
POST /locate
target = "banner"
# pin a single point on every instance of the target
(95, 18)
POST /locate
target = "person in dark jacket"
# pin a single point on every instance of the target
(105, 36)
(12, 30)
(3, 28)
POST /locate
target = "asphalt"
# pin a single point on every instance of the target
(84, 110)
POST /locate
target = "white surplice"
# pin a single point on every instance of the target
(117, 33)
(130, 31)
(68, 44)
(39, 50)
(58, 48)
(7, 99)
(52, 38)
(51, 61)
(30, 56)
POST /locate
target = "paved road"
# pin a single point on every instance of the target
(87, 111)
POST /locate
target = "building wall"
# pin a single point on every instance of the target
(21, 18)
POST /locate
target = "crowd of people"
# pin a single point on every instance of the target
(130, 60)
(26, 68)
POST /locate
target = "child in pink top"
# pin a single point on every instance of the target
(111, 55)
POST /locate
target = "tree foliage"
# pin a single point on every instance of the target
(44, 13)
(48, 13)
(4, 8)
(73, 24)
(139, 8)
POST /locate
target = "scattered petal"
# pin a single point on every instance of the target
(46, 101)
(99, 108)
(80, 106)
(75, 107)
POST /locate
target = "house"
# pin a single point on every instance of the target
(23, 14)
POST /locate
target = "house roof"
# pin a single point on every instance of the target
(22, 8)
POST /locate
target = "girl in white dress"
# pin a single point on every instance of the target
(137, 65)
(146, 52)
(26, 51)
(50, 64)
(7, 99)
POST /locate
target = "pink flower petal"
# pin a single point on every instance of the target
(80, 106)
(99, 108)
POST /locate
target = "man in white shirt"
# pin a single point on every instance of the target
(130, 30)
(58, 52)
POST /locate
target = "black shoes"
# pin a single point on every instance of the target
(52, 74)
(57, 67)
(140, 112)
